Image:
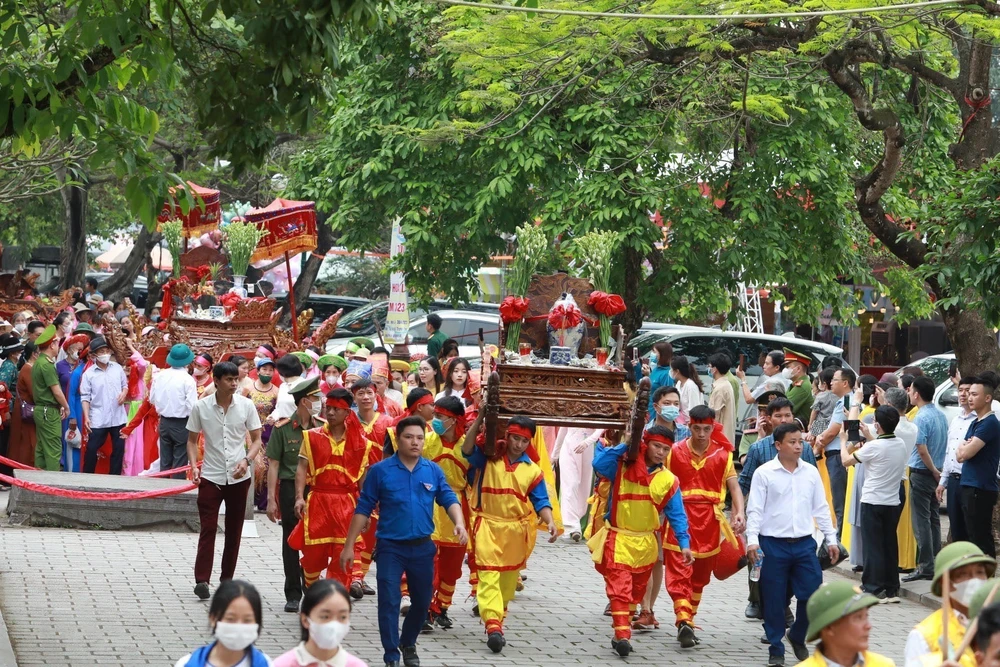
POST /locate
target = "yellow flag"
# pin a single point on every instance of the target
(538, 442)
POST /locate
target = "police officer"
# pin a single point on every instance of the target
(283, 459)
(838, 617)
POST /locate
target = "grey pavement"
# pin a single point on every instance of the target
(125, 598)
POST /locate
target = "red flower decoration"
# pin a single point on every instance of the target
(513, 308)
(564, 316)
(606, 304)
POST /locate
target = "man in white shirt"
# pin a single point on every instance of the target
(882, 499)
(722, 399)
(173, 394)
(103, 390)
(781, 533)
(290, 370)
(225, 418)
(949, 488)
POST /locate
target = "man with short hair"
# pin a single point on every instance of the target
(882, 499)
(34, 330)
(925, 464)
(283, 449)
(104, 389)
(949, 487)
(226, 419)
(437, 337)
(827, 443)
(722, 399)
(783, 532)
(93, 296)
(50, 402)
(406, 486)
(173, 395)
(980, 456)
(800, 388)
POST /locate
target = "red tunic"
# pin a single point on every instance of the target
(703, 487)
(334, 475)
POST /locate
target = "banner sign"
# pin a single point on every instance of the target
(397, 322)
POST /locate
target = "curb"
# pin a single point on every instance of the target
(7, 657)
(926, 599)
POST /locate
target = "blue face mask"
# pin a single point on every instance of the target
(438, 426)
(670, 412)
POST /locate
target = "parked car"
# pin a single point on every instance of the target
(936, 367)
(325, 305)
(361, 322)
(462, 325)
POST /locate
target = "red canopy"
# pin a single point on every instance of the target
(290, 227)
(197, 221)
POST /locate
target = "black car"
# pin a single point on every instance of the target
(361, 322)
(325, 305)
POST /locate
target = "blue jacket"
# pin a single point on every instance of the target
(199, 658)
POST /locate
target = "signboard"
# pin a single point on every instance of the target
(217, 312)
(397, 321)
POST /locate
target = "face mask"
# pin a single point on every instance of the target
(653, 360)
(73, 356)
(332, 379)
(266, 379)
(104, 358)
(328, 635)
(670, 412)
(66, 328)
(236, 636)
(964, 591)
(438, 426)
(199, 372)
(19, 328)
(786, 373)
(314, 411)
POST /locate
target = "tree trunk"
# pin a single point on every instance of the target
(122, 282)
(74, 253)
(974, 341)
(311, 265)
(154, 290)
(632, 318)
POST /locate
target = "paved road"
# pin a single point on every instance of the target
(117, 598)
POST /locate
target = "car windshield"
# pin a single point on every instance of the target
(361, 322)
(934, 367)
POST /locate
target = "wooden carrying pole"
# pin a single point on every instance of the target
(291, 299)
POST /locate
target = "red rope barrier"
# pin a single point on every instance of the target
(95, 495)
(163, 473)
(17, 465)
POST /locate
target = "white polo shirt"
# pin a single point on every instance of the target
(225, 436)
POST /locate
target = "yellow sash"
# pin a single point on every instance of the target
(597, 542)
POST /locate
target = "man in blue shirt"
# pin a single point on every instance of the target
(925, 465)
(827, 443)
(779, 411)
(980, 455)
(405, 488)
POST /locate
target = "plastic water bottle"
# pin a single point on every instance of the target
(755, 571)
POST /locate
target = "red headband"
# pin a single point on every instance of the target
(706, 420)
(334, 402)
(426, 399)
(657, 437)
(445, 411)
(203, 361)
(515, 429)
(265, 352)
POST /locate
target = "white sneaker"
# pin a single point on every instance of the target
(404, 605)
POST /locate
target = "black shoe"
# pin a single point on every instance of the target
(392, 663)
(753, 610)
(496, 641)
(776, 661)
(607, 610)
(201, 590)
(881, 595)
(800, 650)
(789, 617)
(410, 657)
(475, 610)
(428, 626)
(442, 620)
(292, 606)
(623, 646)
(685, 635)
(366, 588)
(357, 591)
(917, 576)
(858, 569)
(763, 639)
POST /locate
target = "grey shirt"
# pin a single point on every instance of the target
(101, 388)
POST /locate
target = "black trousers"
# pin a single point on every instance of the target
(4, 448)
(98, 437)
(294, 581)
(956, 518)
(173, 444)
(977, 505)
(880, 547)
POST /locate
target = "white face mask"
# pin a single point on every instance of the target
(73, 356)
(786, 373)
(103, 358)
(314, 408)
(20, 327)
(964, 591)
(199, 372)
(328, 635)
(332, 379)
(67, 327)
(236, 636)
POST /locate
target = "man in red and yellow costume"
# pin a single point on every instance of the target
(332, 462)
(375, 425)
(443, 446)
(627, 545)
(703, 465)
(508, 491)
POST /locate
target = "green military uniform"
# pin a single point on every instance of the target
(434, 343)
(48, 421)
(283, 452)
(802, 398)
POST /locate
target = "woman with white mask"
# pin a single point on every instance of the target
(235, 617)
(325, 616)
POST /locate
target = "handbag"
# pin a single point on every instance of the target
(824, 556)
(27, 412)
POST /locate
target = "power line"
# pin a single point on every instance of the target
(702, 17)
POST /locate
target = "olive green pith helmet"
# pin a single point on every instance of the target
(956, 555)
(833, 601)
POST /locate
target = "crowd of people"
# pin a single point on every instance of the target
(362, 458)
